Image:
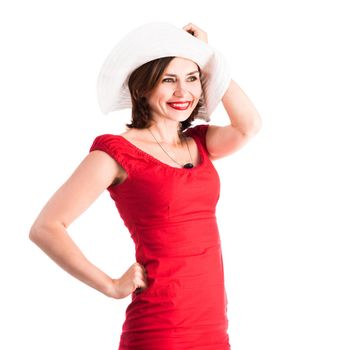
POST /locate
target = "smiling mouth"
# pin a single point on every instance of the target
(179, 105)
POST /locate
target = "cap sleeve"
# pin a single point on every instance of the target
(199, 131)
(109, 144)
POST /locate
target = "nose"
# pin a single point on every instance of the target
(179, 93)
(180, 90)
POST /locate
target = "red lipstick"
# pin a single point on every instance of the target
(180, 105)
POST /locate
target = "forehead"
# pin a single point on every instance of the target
(181, 65)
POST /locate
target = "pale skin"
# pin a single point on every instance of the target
(98, 170)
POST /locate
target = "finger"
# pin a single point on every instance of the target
(190, 25)
(139, 280)
(139, 286)
(144, 278)
(140, 275)
(138, 266)
(191, 29)
(143, 269)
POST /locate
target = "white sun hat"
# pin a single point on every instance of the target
(156, 40)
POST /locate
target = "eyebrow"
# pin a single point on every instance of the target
(174, 75)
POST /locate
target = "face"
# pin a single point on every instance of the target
(177, 92)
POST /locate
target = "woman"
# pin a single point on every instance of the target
(161, 176)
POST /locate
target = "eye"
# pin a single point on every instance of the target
(194, 78)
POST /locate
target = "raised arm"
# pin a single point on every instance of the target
(245, 122)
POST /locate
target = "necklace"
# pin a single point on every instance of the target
(187, 165)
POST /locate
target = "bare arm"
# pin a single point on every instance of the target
(59, 246)
(95, 173)
(245, 122)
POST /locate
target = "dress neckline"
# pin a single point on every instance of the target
(156, 160)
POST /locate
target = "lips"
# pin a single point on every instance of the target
(179, 105)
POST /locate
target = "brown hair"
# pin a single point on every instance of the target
(141, 83)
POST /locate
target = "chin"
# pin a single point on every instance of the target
(184, 118)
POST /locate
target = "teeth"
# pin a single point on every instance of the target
(180, 104)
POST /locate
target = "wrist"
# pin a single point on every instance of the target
(111, 288)
(108, 287)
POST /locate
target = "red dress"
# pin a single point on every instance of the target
(170, 214)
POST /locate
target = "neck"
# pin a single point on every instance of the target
(167, 136)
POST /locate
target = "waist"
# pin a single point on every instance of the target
(177, 238)
(185, 269)
(140, 222)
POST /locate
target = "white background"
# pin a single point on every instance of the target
(284, 206)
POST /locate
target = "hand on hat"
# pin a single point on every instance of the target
(196, 32)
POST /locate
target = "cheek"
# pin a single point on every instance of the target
(198, 91)
(164, 93)
(158, 95)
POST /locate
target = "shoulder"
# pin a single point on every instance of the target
(199, 129)
(109, 144)
(199, 132)
(104, 141)
(110, 162)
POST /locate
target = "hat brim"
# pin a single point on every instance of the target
(152, 41)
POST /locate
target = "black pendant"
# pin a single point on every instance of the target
(188, 165)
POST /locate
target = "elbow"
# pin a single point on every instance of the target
(35, 230)
(39, 231)
(34, 233)
(256, 126)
